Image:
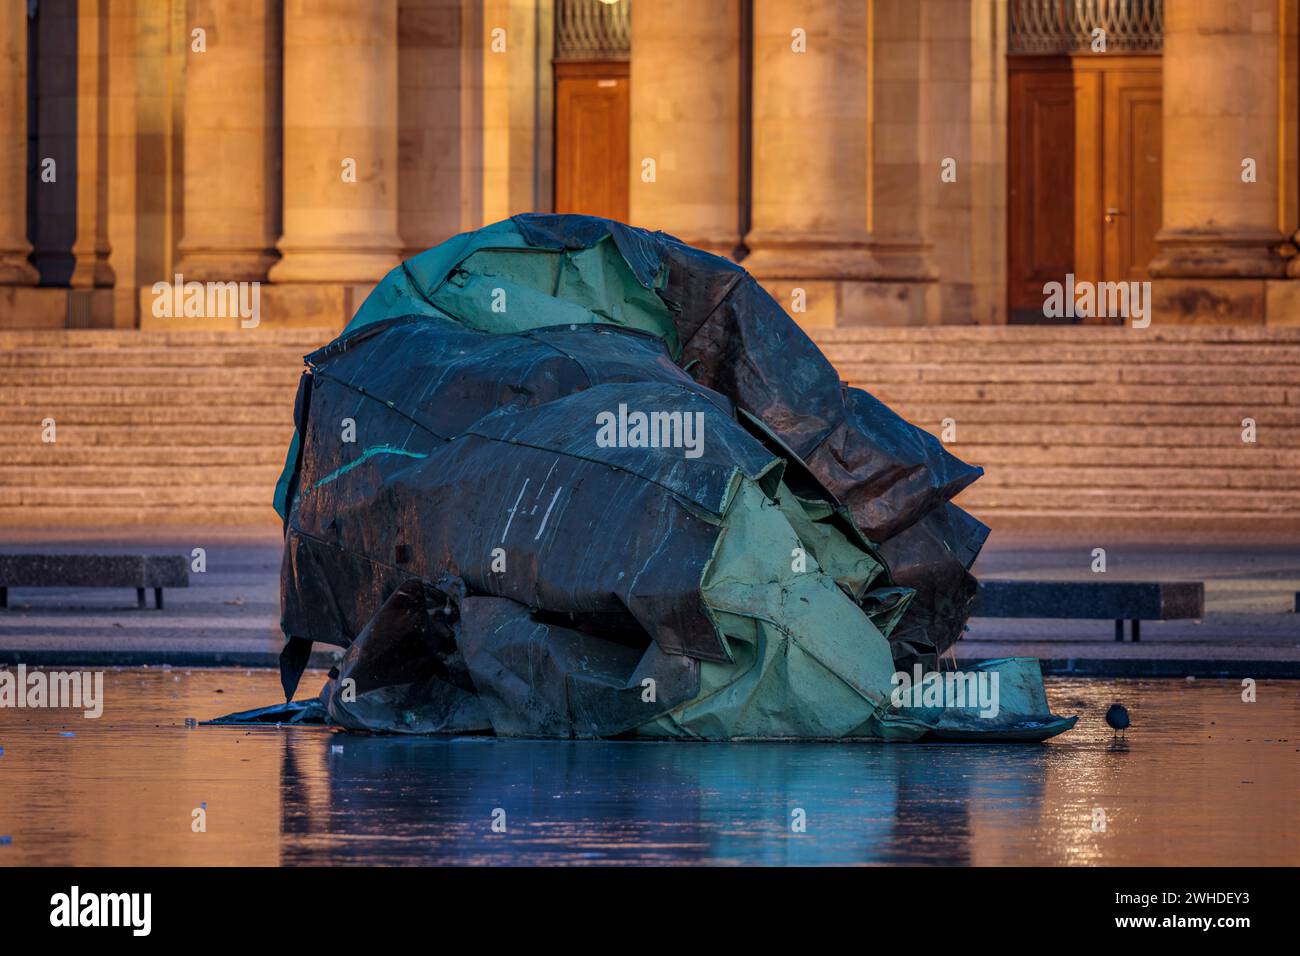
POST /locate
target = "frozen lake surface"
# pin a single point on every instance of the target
(1203, 778)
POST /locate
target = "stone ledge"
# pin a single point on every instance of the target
(285, 305)
(37, 307)
(841, 303)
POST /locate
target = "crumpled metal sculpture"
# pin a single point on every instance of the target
(564, 477)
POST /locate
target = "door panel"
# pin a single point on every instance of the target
(592, 116)
(1040, 186)
(1132, 181)
(1089, 175)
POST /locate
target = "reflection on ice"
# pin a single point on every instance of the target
(1202, 778)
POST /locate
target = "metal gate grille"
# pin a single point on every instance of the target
(593, 30)
(1066, 26)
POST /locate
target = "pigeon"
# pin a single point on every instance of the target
(1117, 717)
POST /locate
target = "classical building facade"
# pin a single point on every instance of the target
(887, 162)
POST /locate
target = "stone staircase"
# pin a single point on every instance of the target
(1076, 427)
(1096, 426)
(157, 427)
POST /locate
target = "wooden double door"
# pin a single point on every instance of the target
(1083, 167)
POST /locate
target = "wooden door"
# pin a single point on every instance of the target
(1100, 118)
(1040, 182)
(1117, 168)
(1131, 187)
(592, 117)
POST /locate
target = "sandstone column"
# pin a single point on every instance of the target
(1220, 109)
(430, 181)
(53, 193)
(504, 89)
(908, 144)
(686, 117)
(811, 149)
(14, 247)
(90, 251)
(340, 141)
(232, 185)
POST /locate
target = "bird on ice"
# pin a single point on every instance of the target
(1117, 717)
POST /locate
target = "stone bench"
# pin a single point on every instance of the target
(1120, 601)
(139, 571)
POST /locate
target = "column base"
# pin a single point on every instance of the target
(724, 246)
(354, 265)
(905, 260)
(16, 270)
(850, 302)
(843, 281)
(780, 254)
(91, 269)
(1209, 301)
(1199, 256)
(226, 266)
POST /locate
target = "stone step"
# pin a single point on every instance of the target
(263, 335)
(1086, 334)
(1235, 456)
(1046, 354)
(1133, 500)
(262, 475)
(214, 494)
(232, 416)
(1120, 476)
(1103, 521)
(63, 455)
(1036, 443)
(113, 516)
(1079, 375)
(1160, 385)
(263, 516)
(286, 375)
(1017, 335)
(1072, 424)
(272, 435)
(916, 405)
(1171, 436)
(1064, 488)
(237, 350)
(894, 393)
(179, 357)
(61, 396)
(1069, 414)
